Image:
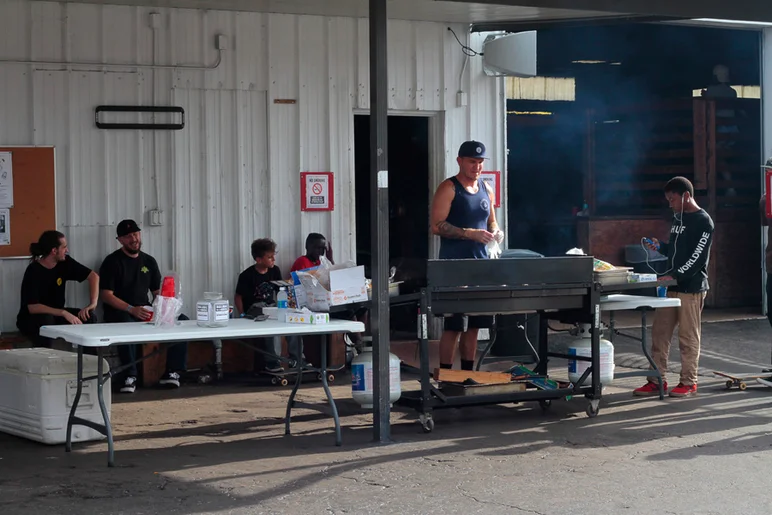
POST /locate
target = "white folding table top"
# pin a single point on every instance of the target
(104, 335)
(630, 302)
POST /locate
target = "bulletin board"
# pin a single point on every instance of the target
(34, 197)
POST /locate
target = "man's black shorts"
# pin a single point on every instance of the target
(456, 324)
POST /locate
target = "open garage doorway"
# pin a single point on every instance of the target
(409, 201)
(409, 176)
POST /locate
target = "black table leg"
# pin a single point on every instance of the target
(105, 428)
(333, 407)
(322, 371)
(656, 372)
(291, 401)
(100, 394)
(71, 418)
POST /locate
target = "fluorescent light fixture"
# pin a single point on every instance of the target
(734, 22)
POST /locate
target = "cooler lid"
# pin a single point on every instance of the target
(45, 362)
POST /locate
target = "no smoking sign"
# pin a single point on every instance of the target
(317, 191)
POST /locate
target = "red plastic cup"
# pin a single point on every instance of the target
(167, 287)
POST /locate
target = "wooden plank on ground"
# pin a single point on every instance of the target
(459, 376)
(457, 390)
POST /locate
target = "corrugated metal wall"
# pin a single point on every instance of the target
(233, 173)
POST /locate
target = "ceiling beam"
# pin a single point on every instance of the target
(747, 10)
(524, 25)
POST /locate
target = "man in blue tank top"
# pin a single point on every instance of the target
(463, 217)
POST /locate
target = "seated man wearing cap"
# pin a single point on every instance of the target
(128, 274)
(462, 215)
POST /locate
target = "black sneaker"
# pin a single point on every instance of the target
(129, 385)
(170, 379)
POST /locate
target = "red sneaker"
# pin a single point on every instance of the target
(683, 390)
(649, 389)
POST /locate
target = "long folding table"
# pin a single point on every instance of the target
(101, 336)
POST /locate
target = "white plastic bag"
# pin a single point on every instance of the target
(167, 306)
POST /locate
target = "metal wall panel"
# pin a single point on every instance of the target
(232, 174)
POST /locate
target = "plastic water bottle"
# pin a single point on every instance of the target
(282, 304)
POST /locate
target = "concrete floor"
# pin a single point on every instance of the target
(221, 449)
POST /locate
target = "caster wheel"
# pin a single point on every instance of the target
(284, 382)
(592, 411)
(743, 386)
(729, 385)
(545, 404)
(427, 423)
(331, 378)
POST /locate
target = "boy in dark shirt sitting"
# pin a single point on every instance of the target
(254, 285)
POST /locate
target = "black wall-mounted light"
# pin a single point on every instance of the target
(140, 109)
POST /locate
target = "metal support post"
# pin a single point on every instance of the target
(379, 207)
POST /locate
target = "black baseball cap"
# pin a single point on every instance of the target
(473, 149)
(127, 227)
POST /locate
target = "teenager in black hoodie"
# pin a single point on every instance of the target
(688, 251)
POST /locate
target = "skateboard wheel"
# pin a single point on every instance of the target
(273, 380)
(284, 382)
(319, 377)
(331, 378)
(743, 386)
(729, 385)
(427, 422)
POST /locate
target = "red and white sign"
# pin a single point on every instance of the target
(317, 191)
(768, 190)
(493, 179)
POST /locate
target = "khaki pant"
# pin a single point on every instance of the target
(688, 320)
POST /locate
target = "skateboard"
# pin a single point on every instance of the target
(739, 380)
(283, 378)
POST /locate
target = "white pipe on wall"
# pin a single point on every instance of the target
(121, 65)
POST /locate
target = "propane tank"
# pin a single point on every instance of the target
(581, 346)
(362, 378)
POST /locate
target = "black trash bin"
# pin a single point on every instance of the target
(645, 261)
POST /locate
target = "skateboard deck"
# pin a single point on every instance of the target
(282, 378)
(740, 380)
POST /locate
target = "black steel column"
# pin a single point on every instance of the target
(379, 210)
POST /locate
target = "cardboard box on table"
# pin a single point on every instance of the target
(347, 285)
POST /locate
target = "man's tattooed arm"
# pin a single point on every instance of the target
(449, 231)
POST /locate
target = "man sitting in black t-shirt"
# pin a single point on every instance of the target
(128, 274)
(42, 289)
(254, 285)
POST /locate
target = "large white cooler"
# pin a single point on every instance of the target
(37, 389)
